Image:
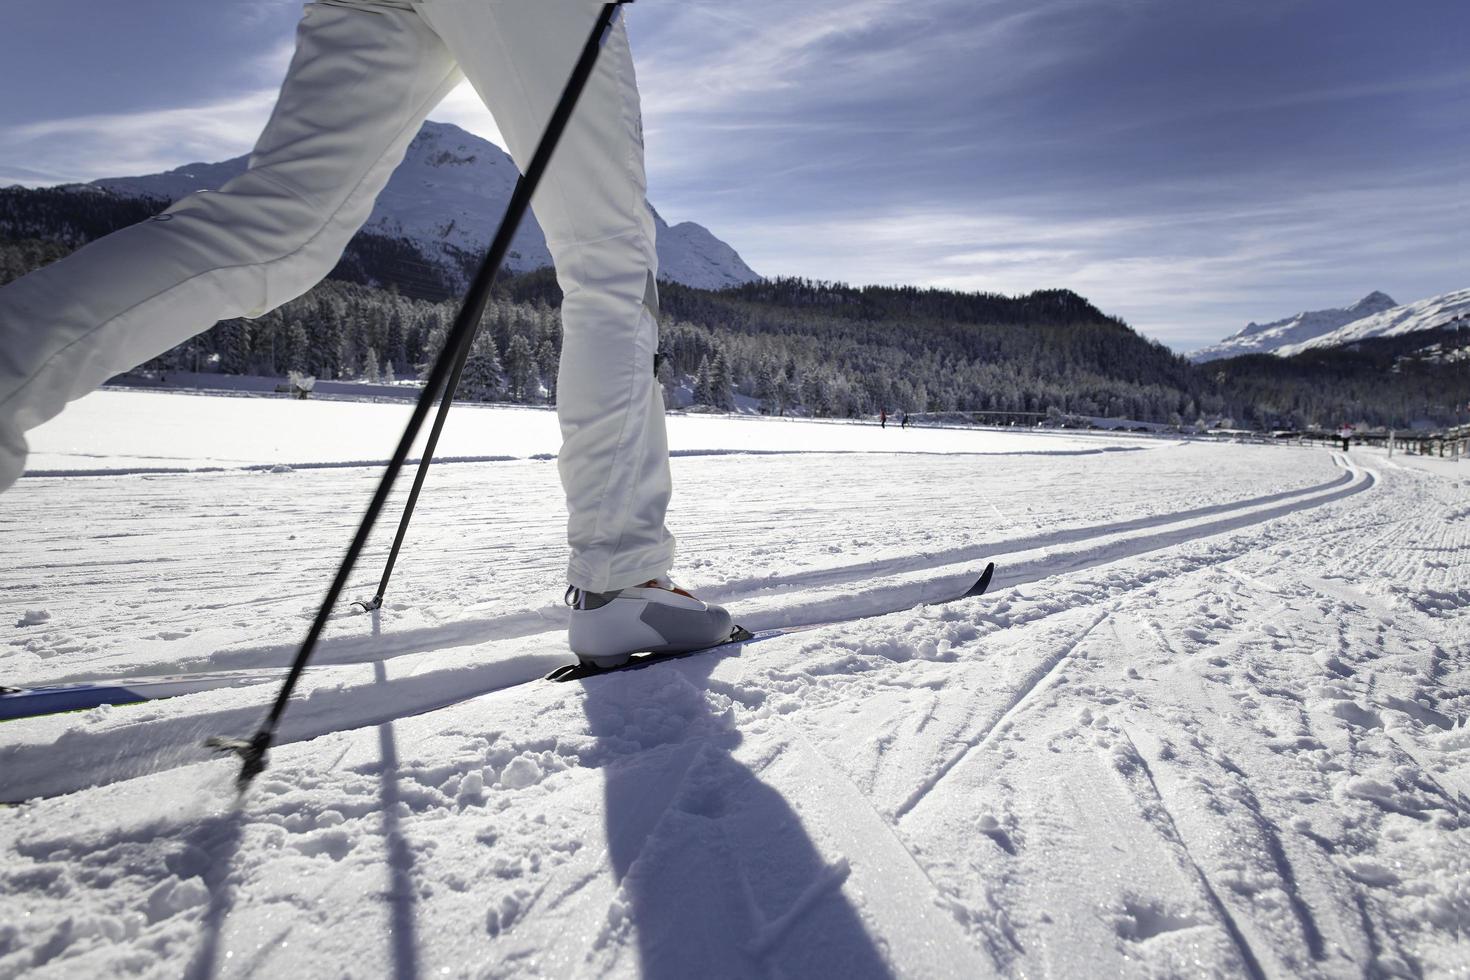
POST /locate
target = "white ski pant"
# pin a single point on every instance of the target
(364, 76)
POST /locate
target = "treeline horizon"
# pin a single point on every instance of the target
(796, 346)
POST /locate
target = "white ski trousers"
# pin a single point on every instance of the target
(364, 76)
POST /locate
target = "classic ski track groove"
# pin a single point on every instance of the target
(1247, 953)
(166, 756)
(352, 650)
(1035, 680)
(853, 796)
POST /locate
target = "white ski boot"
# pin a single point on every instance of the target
(656, 617)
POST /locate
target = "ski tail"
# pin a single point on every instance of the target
(982, 583)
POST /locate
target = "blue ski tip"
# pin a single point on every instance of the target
(33, 702)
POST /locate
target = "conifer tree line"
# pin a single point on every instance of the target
(785, 346)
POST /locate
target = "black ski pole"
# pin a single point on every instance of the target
(376, 602)
(252, 751)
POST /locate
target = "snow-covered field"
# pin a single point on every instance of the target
(1210, 720)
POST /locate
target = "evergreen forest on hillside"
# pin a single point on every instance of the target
(793, 345)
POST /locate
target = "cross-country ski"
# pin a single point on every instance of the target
(739, 636)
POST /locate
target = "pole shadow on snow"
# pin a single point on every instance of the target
(403, 932)
(217, 841)
(717, 874)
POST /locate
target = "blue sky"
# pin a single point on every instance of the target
(1187, 166)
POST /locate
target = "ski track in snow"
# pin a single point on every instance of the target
(1212, 719)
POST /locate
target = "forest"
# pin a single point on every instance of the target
(787, 345)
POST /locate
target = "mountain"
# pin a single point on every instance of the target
(1269, 338)
(1427, 314)
(445, 200)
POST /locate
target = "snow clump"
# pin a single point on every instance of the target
(33, 617)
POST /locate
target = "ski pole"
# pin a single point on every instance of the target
(376, 602)
(252, 751)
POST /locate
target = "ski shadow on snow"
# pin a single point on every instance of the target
(718, 875)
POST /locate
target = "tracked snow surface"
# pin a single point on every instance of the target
(1209, 721)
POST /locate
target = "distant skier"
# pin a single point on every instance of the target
(883, 418)
(364, 76)
(903, 423)
(1346, 435)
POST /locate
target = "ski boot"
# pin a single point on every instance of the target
(656, 617)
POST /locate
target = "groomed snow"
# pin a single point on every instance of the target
(145, 431)
(1210, 720)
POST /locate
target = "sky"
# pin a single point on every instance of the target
(1187, 166)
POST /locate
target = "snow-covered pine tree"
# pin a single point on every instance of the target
(298, 347)
(393, 337)
(232, 343)
(520, 369)
(433, 344)
(795, 396)
(370, 366)
(483, 378)
(665, 377)
(720, 381)
(704, 390)
(765, 388)
(324, 359)
(547, 364)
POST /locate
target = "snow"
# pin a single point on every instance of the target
(1210, 720)
(150, 431)
(1301, 328)
(446, 198)
(1375, 315)
(1426, 314)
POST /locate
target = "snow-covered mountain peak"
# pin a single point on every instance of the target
(1426, 314)
(1267, 338)
(446, 198)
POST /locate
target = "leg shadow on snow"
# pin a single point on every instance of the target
(717, 874)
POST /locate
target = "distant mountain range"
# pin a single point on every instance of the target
(793, 345)
(1268, 338)
(1375, 315)
(1427, 314)
(444, 202)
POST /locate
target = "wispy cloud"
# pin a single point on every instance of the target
(79, 148)
(1186, 277)
(1186, 166)
(739, 52)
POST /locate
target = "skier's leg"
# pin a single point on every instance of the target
(359, 85)
(614, 457)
